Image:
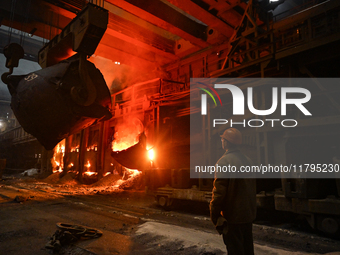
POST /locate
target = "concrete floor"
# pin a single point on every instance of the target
(130, 222)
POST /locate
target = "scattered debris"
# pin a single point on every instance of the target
(68, 178)
(21, 199)
(58, 184)
(67, 234)
(109, 180)
(31, 172)
(52, 178)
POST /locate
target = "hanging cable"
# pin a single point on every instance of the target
(10, 29)
(58, 15)
(51, 23)
(22, 37)
(44, 33)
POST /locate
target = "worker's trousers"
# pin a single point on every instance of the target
(239, 239)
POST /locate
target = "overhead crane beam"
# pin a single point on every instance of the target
(142, 38)
(204, 16)
(168, 19)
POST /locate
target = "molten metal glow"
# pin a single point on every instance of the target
(88, 173)
(75, 149)
(74, 172)
(132, 173)
(92, 148)
(88, 165)
(127, 134)
(106, 174)
(58, 157)
(119, 146)
(151, 154)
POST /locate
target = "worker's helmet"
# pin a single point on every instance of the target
(232, 135)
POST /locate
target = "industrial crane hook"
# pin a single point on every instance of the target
(13, 53)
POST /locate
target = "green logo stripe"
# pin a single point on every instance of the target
(209, 95)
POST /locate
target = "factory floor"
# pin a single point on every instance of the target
(130, 223)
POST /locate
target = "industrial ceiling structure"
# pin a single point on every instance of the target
(139, 32)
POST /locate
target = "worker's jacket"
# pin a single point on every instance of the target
(234, 197)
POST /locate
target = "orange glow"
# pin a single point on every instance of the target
(57, 160)
(92, 148)
(67, 53)
(119, 146)
(127, 134)
(151, 154)
(106, 174)
(132, 173)
(75, 149)
(75, 172)
(88, 165)
(88, 173)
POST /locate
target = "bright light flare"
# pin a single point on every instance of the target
(132, 173)
(88, 173)
(88, 165)
(58, 157)
(92, 148)
(151, 154)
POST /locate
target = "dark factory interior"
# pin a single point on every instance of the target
(108, 108)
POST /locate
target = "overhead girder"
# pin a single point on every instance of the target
(124, 46)
(168, 19)
(36, 12)
(118, 27)
(129, 59)
(182, 32)
(201, 14)
(138, 33)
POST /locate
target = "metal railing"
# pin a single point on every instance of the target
(16, 135)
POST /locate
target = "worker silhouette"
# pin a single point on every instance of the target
(233, 204)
